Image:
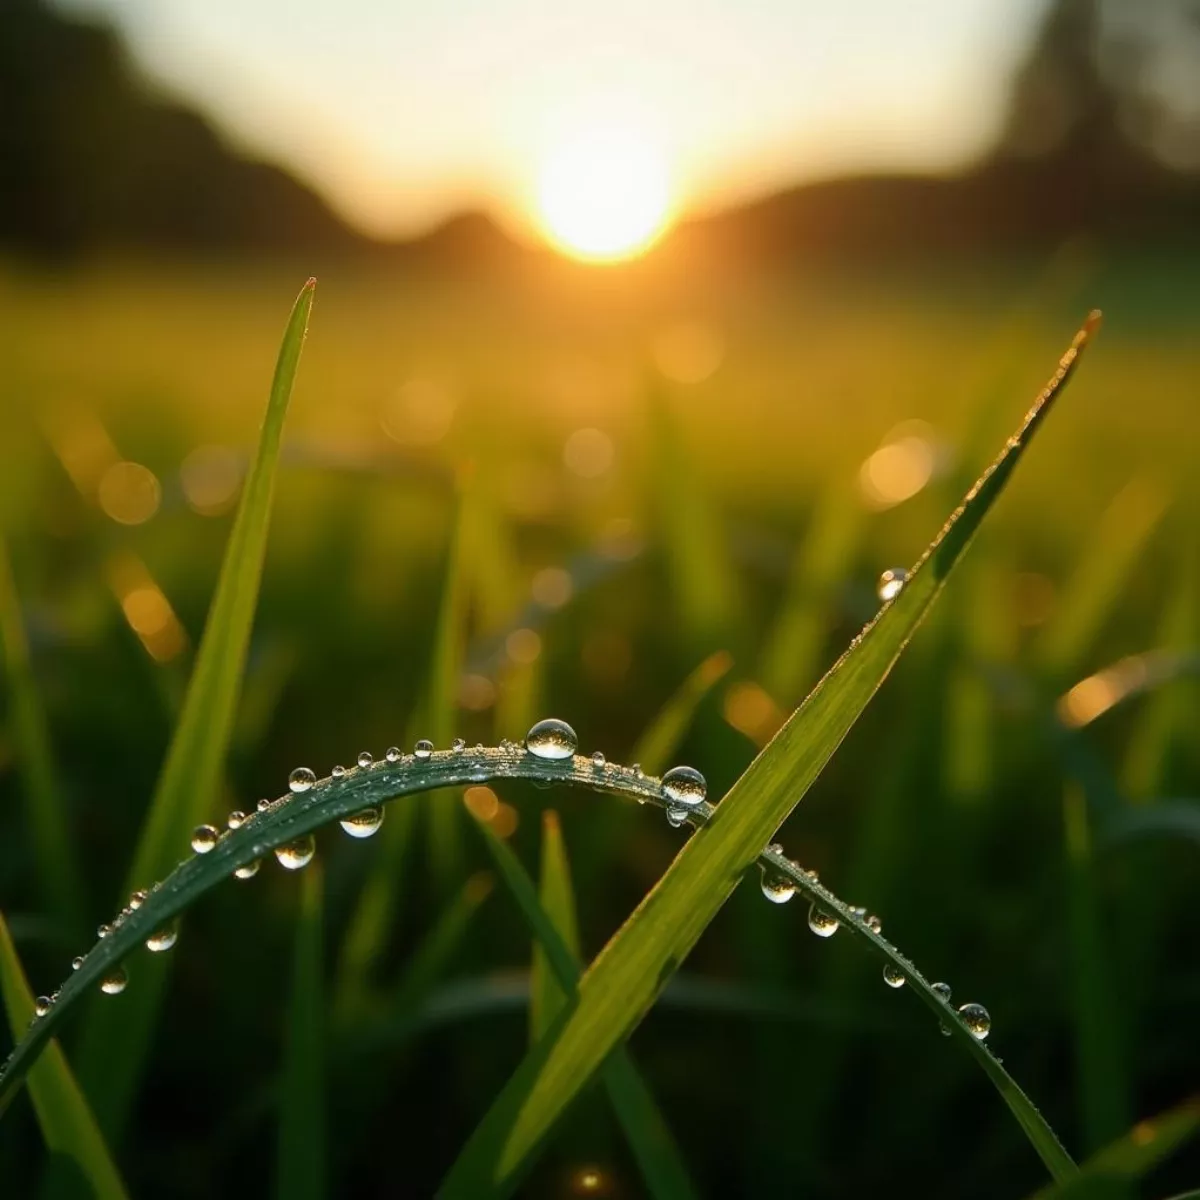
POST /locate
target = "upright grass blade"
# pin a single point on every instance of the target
(624, 981)
(546, 994)
(66, 1121)
(649, 1137)
(117, 1036)
(300, 1165)
(53, 857)
(667, 730)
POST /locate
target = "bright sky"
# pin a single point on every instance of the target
(402, 111)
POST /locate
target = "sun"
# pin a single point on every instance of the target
(604, 194)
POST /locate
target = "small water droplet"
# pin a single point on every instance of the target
(297, 853)
(507, 745)
(365, 759)
(856, 910)
(812, 876)
(891, 582)
(893, 976)
(874, 924)
(263, 805)
(977, 1019)
(338, 771)
(684, 786)
(424, 748)
(822, 923)
(942, 990)
(598, 760)
(392, 754)
(301, 779)
(676, 816)
(41, 1006)
(247, 870)
(777, 888)
(204, 838)
(363, 823)
(551, 739)
(113, 984)
(164, 938)
(77, 962)
(102, 931)
(236, 819)
(637, 770)
(138, 898)
(458, 745)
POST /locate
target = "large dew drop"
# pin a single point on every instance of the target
(236, 819)
(423, 749)
(392, 754)
(893, 976)
(891, 582)
(977, 1019)
(684, 786)
(779, 889)
(822, 923)
(301, 779)
(365, 759)
(297, 853)
(363, 823)
(163, 939)
(551, 739)
(204, 839)
(41, 1006)
(113, 984)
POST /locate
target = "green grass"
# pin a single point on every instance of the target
(724, 559)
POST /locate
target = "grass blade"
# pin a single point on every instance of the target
(53, 856)
(116, 1039)
(649, 1137)
(66, 1121)
(557, 896)
(300, 1167)
(667, 730)
(624, 981)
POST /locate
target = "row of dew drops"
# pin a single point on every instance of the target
(683, 790)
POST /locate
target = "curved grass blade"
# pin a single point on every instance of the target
(667, 730)
(649, 1137)
(116, 1039)
(300, 1165)
(66, 1121)
(57, 870)
(623, 982)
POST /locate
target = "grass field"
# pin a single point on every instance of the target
(642, 474)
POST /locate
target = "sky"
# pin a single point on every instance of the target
(401, 112)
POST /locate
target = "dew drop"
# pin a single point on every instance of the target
(263, 805)
(113, 984)
(822, 923)
(41, 1006)
(297, 853)
(236, 819)
(893, 976)
(247, 870)
(459, 745)
(507, 745)
(365, 759)
(204, 838)
(977, 1019)
(942, 991)
(363, 823)
(777, 888)
(338, 771)
(676, 816)
(551, 739)
(684, 786)
(301, 779)
(392, 754)
(138, 898)
(163, 939)
(637, 770)
(874, 924)
(598, 760)
(102, 931)
(891, 582)
(77, 962)
(424, 748)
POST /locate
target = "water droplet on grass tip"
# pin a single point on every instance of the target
(113, 984)
(822, 923)
(891, 582)
(977, 1019)
(551, 739)
(684, 786)
(204, 838)
(236, 819)
(363, 823)
(163, 939)
(893, 976)
(424, 748)
(301, 779)
(41, 1006)
(779, 889)
(297, 853)
(365, 759)
(247, 870)
(392, 754)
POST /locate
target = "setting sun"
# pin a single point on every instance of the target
(604, 195)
